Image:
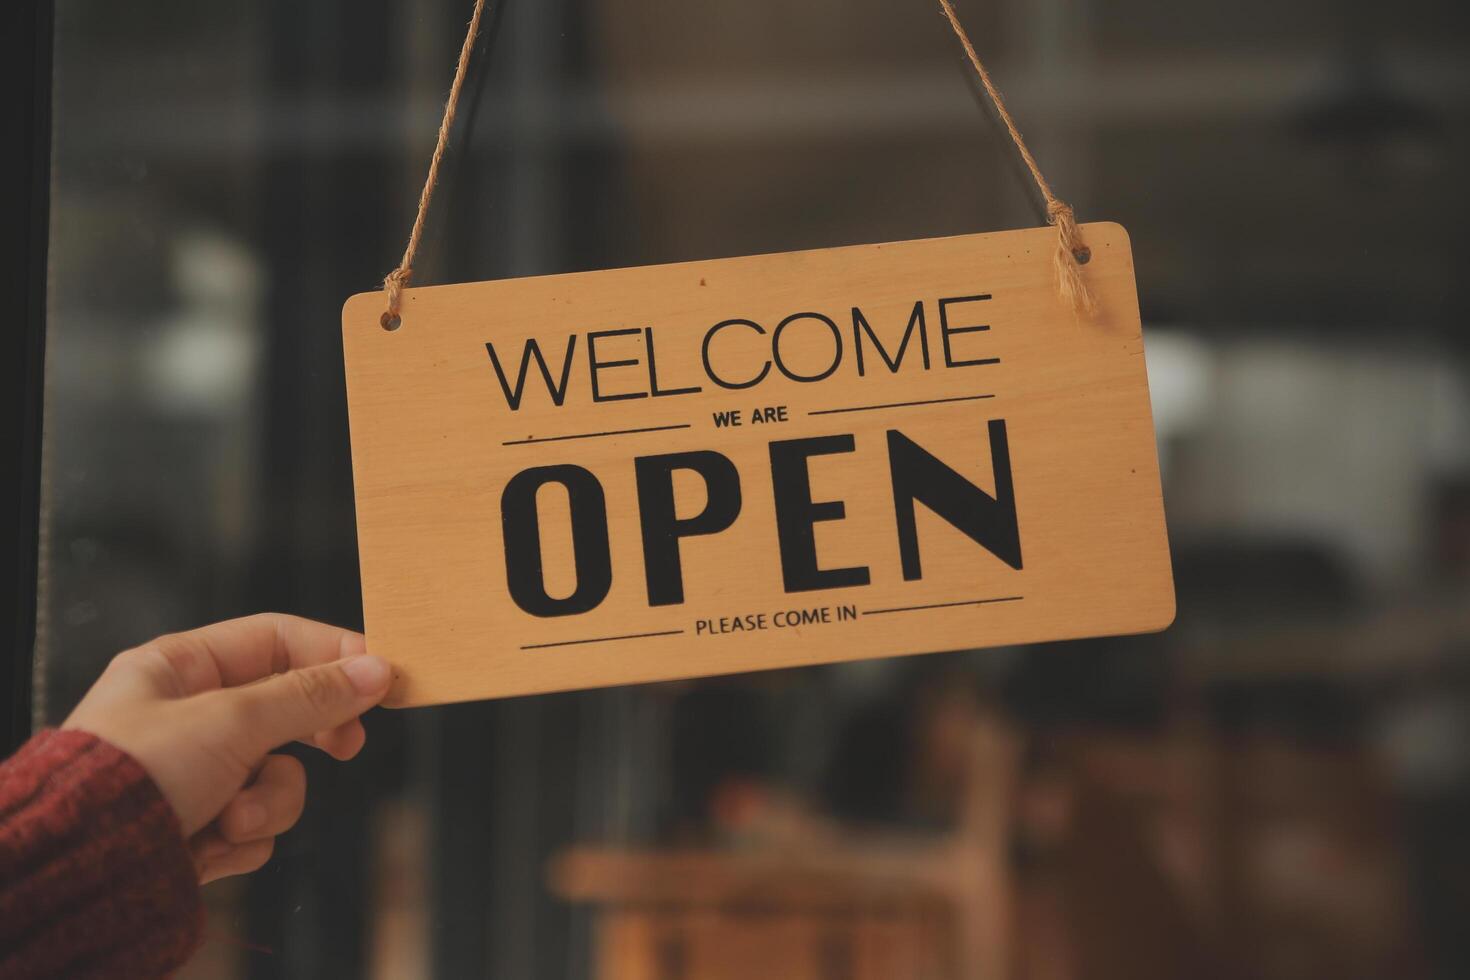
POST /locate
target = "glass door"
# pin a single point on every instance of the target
(1275, 787)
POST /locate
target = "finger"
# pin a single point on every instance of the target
(239, 651)
(269, 806)
(346, 737)
(341, 743)
(207, 847)
(214, 857)
(300, 703)
(222, 859)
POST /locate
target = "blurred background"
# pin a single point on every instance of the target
(1276, 787)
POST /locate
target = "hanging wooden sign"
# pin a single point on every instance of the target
(633, 475)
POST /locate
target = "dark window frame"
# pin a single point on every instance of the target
(25, 106)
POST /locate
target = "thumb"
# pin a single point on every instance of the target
(306, 700)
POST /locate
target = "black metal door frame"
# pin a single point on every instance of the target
(25, 110)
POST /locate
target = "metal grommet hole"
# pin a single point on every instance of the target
(390, 322)
(1083, 255)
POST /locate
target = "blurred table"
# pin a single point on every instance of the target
(712, 915)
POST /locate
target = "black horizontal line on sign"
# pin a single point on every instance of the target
(941, 605)
(599, 639)
(595, 435)
(927, 401)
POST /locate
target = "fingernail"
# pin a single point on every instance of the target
(368, 674)
(250, 816)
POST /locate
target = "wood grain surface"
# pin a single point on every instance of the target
(778, 541)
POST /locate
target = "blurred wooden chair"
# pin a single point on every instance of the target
(837, 907)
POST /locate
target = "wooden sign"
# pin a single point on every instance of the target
(640, 474)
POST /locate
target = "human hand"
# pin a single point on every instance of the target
(202, 710)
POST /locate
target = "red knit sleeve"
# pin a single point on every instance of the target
(95, 876)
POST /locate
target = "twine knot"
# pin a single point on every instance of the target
(1071, 255)
(393, 285)
(1060, 214)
